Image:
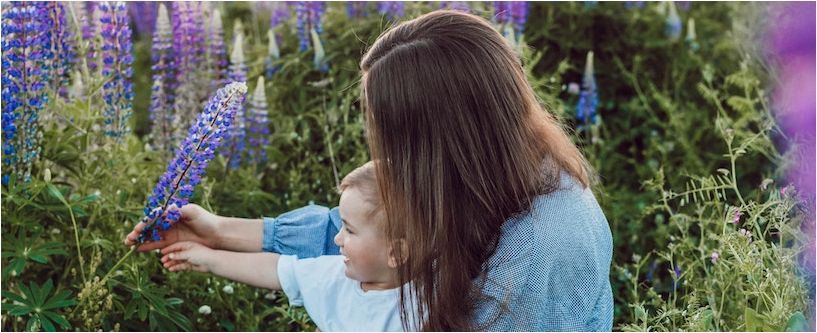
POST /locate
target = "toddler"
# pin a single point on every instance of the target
(355, 291)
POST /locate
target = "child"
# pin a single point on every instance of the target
(355, 291)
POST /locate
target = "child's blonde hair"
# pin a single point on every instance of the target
(364, 179)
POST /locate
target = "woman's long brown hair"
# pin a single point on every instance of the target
(464, 145)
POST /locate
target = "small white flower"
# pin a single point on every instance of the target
(47, 175)
(55, 231)
(714, 257)
(228, 289)
(210, 290)
(205, 310)
(133, 180)
(573, 88)
(270, 296)
(97, 193)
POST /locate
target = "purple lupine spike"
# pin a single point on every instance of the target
(456, 5)
(308, 15)
(273, 54)
(185, 171)
(117, 92)
(26, 57)
(392, 9)
(236, 137)
(161, 115)
(279, 14)
(501, 12)
(217, 54)
(258, 124)
(588, 97)
(61, 48)
(356, 9)
(144, 14)
(519, 15)
(189, 49)
(90, 34)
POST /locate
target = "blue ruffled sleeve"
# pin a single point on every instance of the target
(306, 232)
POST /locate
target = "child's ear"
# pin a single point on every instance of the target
(393, 255)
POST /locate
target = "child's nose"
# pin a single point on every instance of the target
(338, 239)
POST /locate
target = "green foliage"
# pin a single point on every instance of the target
(38, 304)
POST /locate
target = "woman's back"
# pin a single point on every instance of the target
(551, 266)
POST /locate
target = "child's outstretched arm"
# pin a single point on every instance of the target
(255, 269)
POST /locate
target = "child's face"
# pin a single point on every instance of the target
(363, 243)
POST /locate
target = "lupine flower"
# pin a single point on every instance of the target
(161, 106)
(279, 15)
(633, 4)
(26, 58)
(456, 5)
(117, 92)
(258, 124)
(677, 280)
(188, 45)
(77, 87)
(736, 216)
(746, 233)
(392, 9)
(308, 15)
(236, 136)
(61, 49)
(273, 54)
(144, 16)
(319, 59)
(672, 26)
(356, 9)
(185, 171)
(88, 17)
(684, 5)
(511, 17)
(690, 39)
(217, 57)
(714, 257)
(588, 97)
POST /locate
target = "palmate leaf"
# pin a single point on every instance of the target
(21, 250)
(37, 302)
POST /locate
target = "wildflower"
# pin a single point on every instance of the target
(391, 9)
(88, 17)
(236, 136)
(588, 97)
(188, 45)
(144, 16)
(676, 281)
(26, 60)
(573, 88)
(456, 5)
(356, 9)
(319, 62)
(217, 54)
(117, 92)
(270, 296)
(61, 49)
(308, 18)
(746, 233)
(714, 257)
(161, 96)
(205, 309)
(736, 216)
(672, 26)
(258, 124)
(185, 171)
(273, 54)
(684, 5)
(690, 38)
(280, 14)
(228, 289)
(519, 15)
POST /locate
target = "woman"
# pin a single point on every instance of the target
(486, 189)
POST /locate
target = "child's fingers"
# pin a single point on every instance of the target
(175, 247)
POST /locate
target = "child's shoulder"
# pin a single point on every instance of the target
(329, 269)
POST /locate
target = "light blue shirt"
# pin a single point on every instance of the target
(551, 265)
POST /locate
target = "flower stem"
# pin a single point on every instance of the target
(115, 266)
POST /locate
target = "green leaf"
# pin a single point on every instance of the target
(39, 258)
(48, 326)
(54, 192)
(227, 325)
(752, 320)
(797, 323)
(60, 320)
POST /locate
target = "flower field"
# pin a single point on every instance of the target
(697, 117)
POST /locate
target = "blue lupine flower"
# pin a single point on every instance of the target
(236, 137)
(588, 97)
(26, 60)
(456, 5)
(89, 22)
(677, 280)
(519, 15)
(273, 54)
(356, 9)
(511, 17)
(188, 44)
(279, 15)
(634, 4)
(672, 26)
(117, 92)
(144, 15)
(258, 124)
(690, 39)
(61, 48)
(308, 15)
(161, 107)
(217, 58)
(185, 171)
(392, 9)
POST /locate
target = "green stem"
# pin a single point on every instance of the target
(115, 266)
(76, 238)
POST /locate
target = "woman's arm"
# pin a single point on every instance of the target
(241, 235)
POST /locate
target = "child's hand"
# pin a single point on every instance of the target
(188, 256)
